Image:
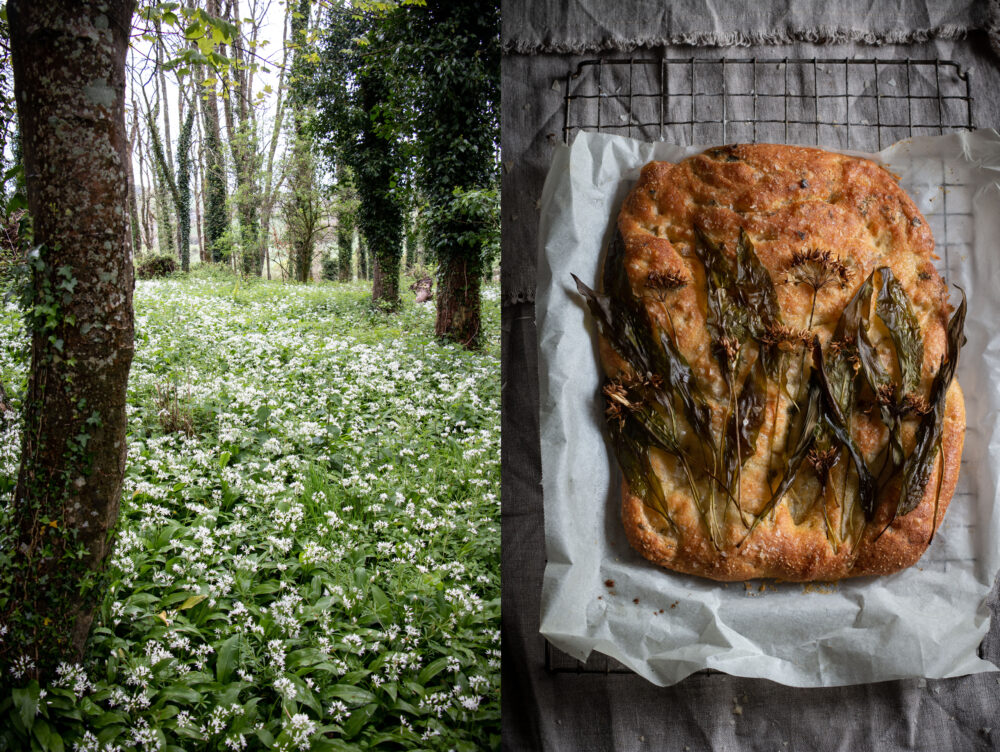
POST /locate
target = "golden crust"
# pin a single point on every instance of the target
(787, 199)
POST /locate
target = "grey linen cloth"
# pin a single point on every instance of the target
(587, 711)
(591, 25)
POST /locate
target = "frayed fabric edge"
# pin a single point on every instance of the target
(992, 25)
(821, 35)
(515, 297)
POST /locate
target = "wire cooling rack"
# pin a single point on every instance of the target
(838, 103)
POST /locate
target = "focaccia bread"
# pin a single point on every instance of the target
(780, 353)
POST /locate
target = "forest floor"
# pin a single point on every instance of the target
(308, 554)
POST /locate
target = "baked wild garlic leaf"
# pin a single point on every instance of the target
(918, 466)
(657, 402)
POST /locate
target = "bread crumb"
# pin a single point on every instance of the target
(609, 583)
(826, 588)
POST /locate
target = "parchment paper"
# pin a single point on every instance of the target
(926, 621)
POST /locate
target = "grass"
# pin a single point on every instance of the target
(308, 547)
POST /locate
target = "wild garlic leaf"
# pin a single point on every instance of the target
(726, 321)
(754, 292)
(883, 389)
(744, 423)
(680, 379)
(633, 457)
(843, 360)
(893, 306)
(918, 466)
(835, 421)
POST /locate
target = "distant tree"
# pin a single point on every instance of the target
(244, 147)
(69, 81)
(346, 198)
(177, 187)
(302, 209)
(359, 126)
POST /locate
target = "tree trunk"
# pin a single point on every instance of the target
(133, 205)
(345, 245)
(197, 197)
(363, 258)
(385, 282)
(458, 300)
(184, 190)
(69, 83)
(144, 213)
(242, 136)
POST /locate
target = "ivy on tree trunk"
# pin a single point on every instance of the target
(69, 82)
(216, 213)
(456, 51)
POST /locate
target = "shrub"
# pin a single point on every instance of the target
(216, 272)
(152, 267)
(330, 268)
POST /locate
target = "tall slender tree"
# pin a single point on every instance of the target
(241, 127)
(69, 78)
(216, 212)
(177, 187)
(359, 127)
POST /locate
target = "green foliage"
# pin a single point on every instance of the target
(359, 125)
(155, 266)
(317, 566)
(330, 268)
(207, 33)
(471, 223)
(303, 207)
(452, 51)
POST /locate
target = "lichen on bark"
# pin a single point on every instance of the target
(56, 535)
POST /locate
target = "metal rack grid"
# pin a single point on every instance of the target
(831, 102)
